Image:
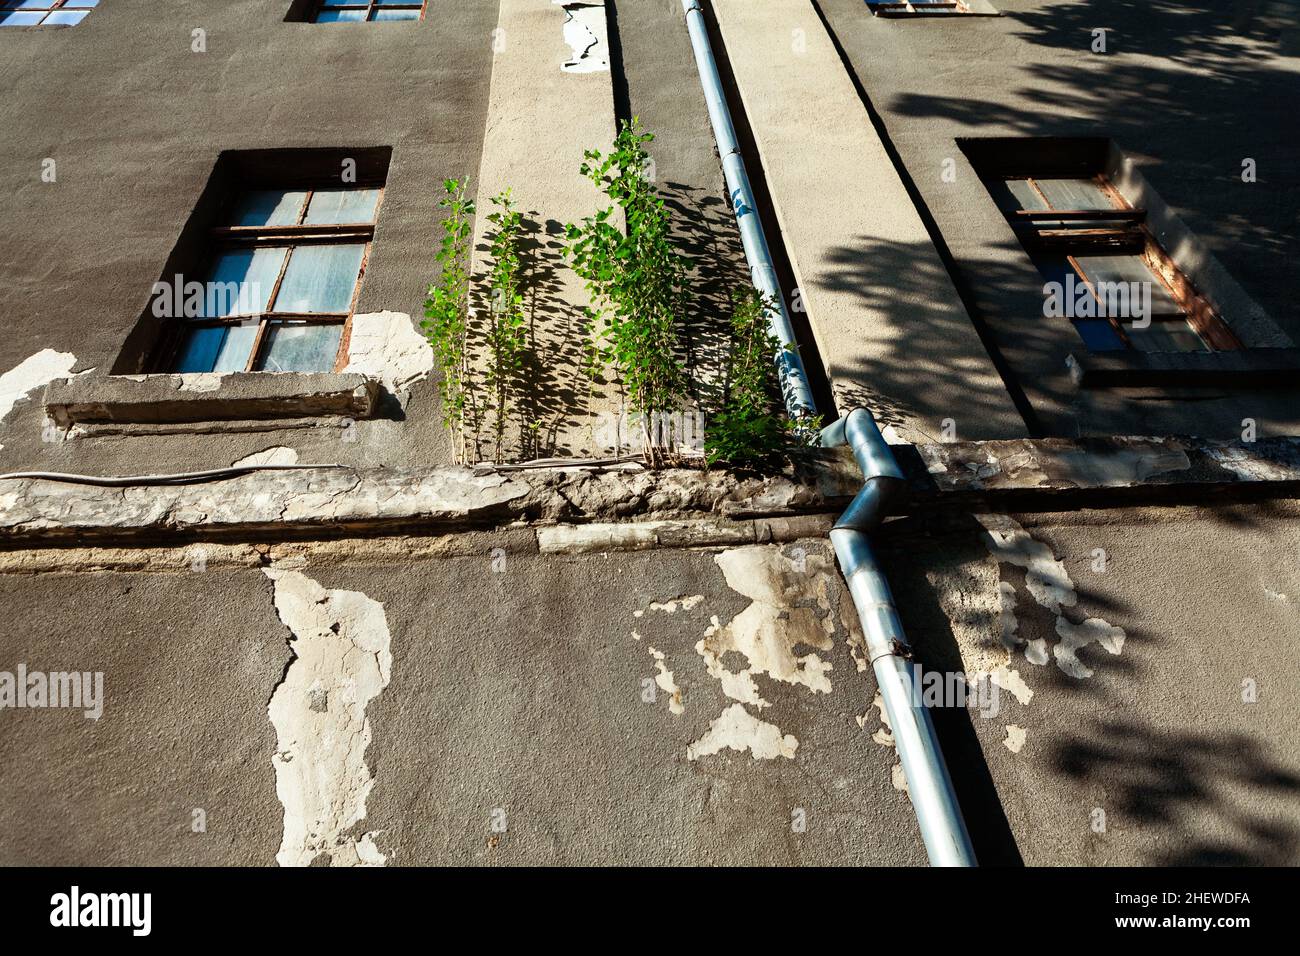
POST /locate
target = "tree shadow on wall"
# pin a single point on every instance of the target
(704, 230)
(1210, 89)
(549, 392)
(1176, 782)
(914, 371)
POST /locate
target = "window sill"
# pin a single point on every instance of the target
(1247, 368)
(209, 397)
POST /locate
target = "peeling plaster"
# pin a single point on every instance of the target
(769, 629)
(341, 661)
(1049, 583)
(586, 33)
(386, 346)
(1015, 738)
(1045, 577)
(738, 729)
(275, 455)
(666, 683)
(200, 381)
(1075, 637)
(671, 607)
(884, 736)
(33, 373)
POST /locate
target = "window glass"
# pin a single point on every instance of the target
(299, 347)
(1128, 269)
(1099, 335)
(342, 206)
(252, 272)
(1074, 194)
(340, 16)
(1013, 194)
(222, 348)
(268, 207)
(320, 278)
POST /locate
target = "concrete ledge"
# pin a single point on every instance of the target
(171, 399)
(618, 510)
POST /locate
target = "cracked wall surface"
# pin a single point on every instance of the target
(341, 662)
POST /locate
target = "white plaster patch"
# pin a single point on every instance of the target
(201, 381)
(1275, 595)
(1075, 637)
(586, 33)
(666, 683)
(738, 729)
(33, 373)
(275, 455)
(681, 603)
(777, 621)
(1015, 738)
(1011, 681)
(340, 642)
(1045, 577)
(386, 346)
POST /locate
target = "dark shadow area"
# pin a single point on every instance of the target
(895, 281)
(955, 274)
(1208, 92)
(1174, 782)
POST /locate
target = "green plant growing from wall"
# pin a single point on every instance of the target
(747, 428)
(636, 278)
(507, 330)
(446, 324)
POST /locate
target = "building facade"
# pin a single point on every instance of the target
(1049, 245)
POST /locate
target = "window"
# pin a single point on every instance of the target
(34, 13)
(1114, 281)
(283, 275)
(913, 8)
(342, 11)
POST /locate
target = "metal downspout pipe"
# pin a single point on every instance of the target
(929, 786)
(793, 378)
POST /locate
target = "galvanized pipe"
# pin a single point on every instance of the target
(937, 812)
(790, 369)
(928, 784)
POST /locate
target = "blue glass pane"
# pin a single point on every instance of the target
(397, 14)
(320, 279)
(20, 19)
(66, 18)
(339, 16)
(216, 349)
(241, 281)
(268, 207)
(1099, 335)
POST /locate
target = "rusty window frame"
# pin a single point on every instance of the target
(371, 7)
(50, 6)
(1130, 237)
(223, 238)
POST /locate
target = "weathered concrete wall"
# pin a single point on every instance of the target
(484, 704)
(672, 707)
(1188, 90)
(1145, 659)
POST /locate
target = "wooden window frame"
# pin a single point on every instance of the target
(223, 238)
(1130, 237)
(370, 6)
